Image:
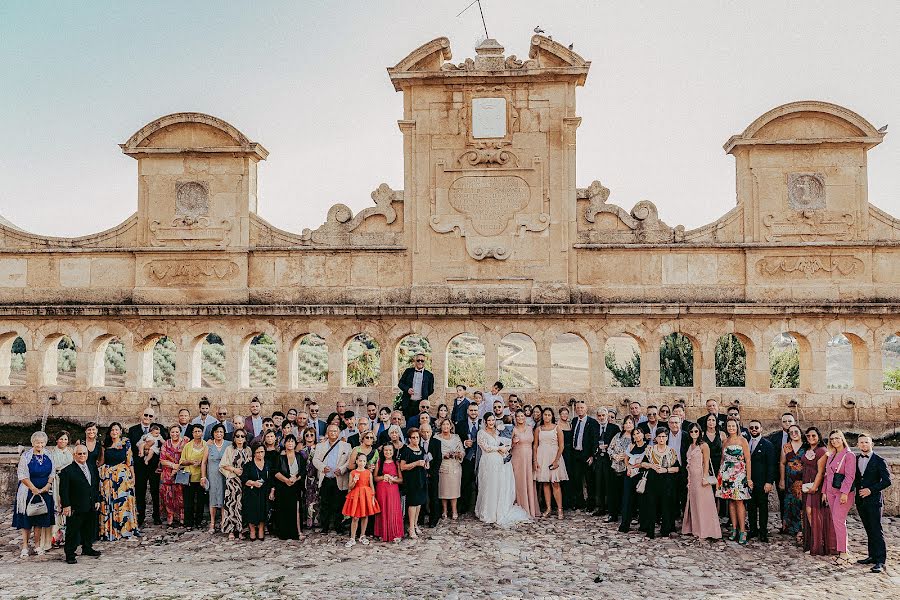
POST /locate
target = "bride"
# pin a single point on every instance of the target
(496, 486)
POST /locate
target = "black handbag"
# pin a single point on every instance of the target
(838, 479)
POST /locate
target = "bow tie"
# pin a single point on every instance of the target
(865, 455)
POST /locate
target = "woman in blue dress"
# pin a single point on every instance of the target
(35, 473)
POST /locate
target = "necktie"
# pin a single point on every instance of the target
(576, 432)
(146, 429)
(753, 445)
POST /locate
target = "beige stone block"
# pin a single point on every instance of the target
(391, 271)
(261, 271)
(13, 272)
(337, 269)
(112, 272)
(702, 268)
(75, 272)
(313, 269)
(197, 165)
(162, 165)
(43, 271)
(730, 267)
(674, 269)
(288, 271)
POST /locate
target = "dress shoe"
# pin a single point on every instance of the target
(157, 521)
(878, 568)
(866, 561)
(764, 538)
(611, 519)
(94, 553)
(71, 561)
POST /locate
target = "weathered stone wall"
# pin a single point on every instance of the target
(490, 236)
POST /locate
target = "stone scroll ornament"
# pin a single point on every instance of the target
(488, 214)
(191, 272)
(643, 221)
(341, 221)
(811, 266)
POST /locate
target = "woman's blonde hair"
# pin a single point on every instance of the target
(839, 433)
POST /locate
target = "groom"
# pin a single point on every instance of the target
(467, 430)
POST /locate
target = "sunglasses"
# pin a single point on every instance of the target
(81, 454)
(222, 414)
(420, 360)
(148, 415)
(811, 435)
(754, 427)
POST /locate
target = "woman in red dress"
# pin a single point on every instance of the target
(818, 531)
(360, 502)
(389, 522)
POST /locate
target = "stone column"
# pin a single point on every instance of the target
(650, 366)
(35, 369)
(286, 367)
(544, 364)
(439, 366)
(237, 364)
(138, 362)
(491, 358)
(705, 371)
(89, 370)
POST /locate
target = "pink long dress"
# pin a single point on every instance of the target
(701, 518)
(526, 492)
(389, 522)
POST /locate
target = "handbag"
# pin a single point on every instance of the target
(641, 486)
(183, 477)
(712, 478)
(36, 506)
(838, 479)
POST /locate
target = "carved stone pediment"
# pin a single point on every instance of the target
(641, 226)
(190, 232)
(341, 221)
(187, 273)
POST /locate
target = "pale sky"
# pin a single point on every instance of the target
(669, 83)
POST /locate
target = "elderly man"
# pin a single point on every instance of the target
(184, 419)
(415, 420)
(712, 412)
(432, 447)
(601, 462)
(416, 384)
(679, 441)
(221, 418)
(145, 473)
(330, 460)
(584, 442)
(79, 498)
(636, 411)
(396, 419)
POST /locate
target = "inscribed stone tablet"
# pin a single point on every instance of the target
(488, 117)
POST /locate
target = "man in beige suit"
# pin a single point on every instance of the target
(330, 459)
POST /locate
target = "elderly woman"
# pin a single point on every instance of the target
(450, 473)
(309, 494)
(193, 459)
(170, 493)
(118, 507)
(232, 467)
(62, 458)
(217, 446)
(36, 476)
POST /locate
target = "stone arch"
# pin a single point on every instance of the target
(309, 361)
(784, 345)
(846, 360)
(158, 356)
(890, 362)
(570, 362)
(466, 360)
(679, 360)
(623, 354)
(14, 345)
(362, 361)
(208, 358)
(258, 366)
(517, 361)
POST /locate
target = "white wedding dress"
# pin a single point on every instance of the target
(496, 485)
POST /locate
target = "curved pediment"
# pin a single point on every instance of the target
(427, 57)
(550, 54)
(190, 131)
(805, 122)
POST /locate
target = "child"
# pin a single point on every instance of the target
(361, 502)
(389, 522)
(150, 444)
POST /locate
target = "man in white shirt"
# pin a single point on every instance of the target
(204, 418)
(635, 408)
(487, 405)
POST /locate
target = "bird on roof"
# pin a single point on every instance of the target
(538, 29)
(571, 46)
(883, 129)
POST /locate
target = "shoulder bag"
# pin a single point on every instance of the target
(641, 485)
(36, 506)
(839, 476)
(183, 477)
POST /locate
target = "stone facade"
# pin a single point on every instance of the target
(489, 236)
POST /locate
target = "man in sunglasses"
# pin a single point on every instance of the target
(145, 473)
(416, 384)
(79, 492)
(221, 418)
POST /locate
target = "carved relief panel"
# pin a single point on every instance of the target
(191, 225)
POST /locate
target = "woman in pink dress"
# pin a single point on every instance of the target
(818, 530)
(522, 440)
(841, 461)
(701, 518)
(389, 522)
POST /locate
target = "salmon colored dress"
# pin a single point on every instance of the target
(361, 500)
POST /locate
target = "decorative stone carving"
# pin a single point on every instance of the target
(190, 232)
(191, 201)
(809, 226)
(195, 272)
(466, 65)
(643, 223)
(806, 191)
(489, 154)
(341, 221)
(811, 266)
(490, 57)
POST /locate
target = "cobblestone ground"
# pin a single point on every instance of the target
(579, 557)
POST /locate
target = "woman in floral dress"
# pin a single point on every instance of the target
(792, 483)
(309, 502)
(735, 483)
(118, 514)
(232, 467)
(170, 493)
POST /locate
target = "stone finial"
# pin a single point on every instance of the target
(489, 56)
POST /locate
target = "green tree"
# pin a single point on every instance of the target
(784, 367)
(892, 379)
(164, 363)
(731, 362)
(676, 361)
(627, 375)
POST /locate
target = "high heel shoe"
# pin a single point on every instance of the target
(742, 538)
(559, 514)
(546, 513)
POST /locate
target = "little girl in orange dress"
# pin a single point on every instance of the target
(360, 502)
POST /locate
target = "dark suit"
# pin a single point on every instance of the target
(679, 481)
(776, 440)
(876, 478)
(82, 497)
(407, 405)
(602, 465)
(433, 506)
(764, 469)
(645, 427)
(414, 421)
(467, 485)
(580, 472)
(145, 474)
(458, 412)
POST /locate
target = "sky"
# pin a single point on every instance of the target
(669, 83)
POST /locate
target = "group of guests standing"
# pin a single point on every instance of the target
(388, 473)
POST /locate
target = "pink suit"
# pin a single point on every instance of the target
(844, 462)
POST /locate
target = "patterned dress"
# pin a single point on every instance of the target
(232, 509)
(733, 476)
(118, 514)
(792, 511)
(310, 500)
(171, 495)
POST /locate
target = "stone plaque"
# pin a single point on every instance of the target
(489, 202)
(488, 117)
(806, 191)
(192, 200)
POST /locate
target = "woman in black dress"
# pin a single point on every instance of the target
(566, 427)
(257, 481)
(633, 474)
(412, 465)
(289, 480)
(713, 437)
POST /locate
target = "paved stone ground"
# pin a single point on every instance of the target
(547, 559)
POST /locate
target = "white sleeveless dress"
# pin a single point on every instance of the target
(496, 485)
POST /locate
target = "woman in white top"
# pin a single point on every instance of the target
(496, 483)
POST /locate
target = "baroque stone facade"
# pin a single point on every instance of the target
(490, 235)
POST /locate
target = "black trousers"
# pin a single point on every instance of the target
(658, 501)
(870, 512)
(629, 501)
(467, 487)
(331, 502)
(581, 474)
(146, 476)
(781, 494)
(758, 511)
(434, 503)
(614, 489)
(194, 503)
(81, 528)
(680, 491)
(602, 481)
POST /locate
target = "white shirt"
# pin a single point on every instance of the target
(864, 462)
(675, 442)
(578, 426)
(417, 384)
(487, 404)
(205, 421)
(753, 442)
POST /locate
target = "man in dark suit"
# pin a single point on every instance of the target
(679, 440)
(652, 424)
(467, 430)
(145, 474)
(872, 478)
(600, 461)
(79, 497)
(315, 422)
(778, 440)
(584, 441)
(712, 411)
(764, 472)
(416, 419)
(432, 447)
(735, 413)
(416, 384)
